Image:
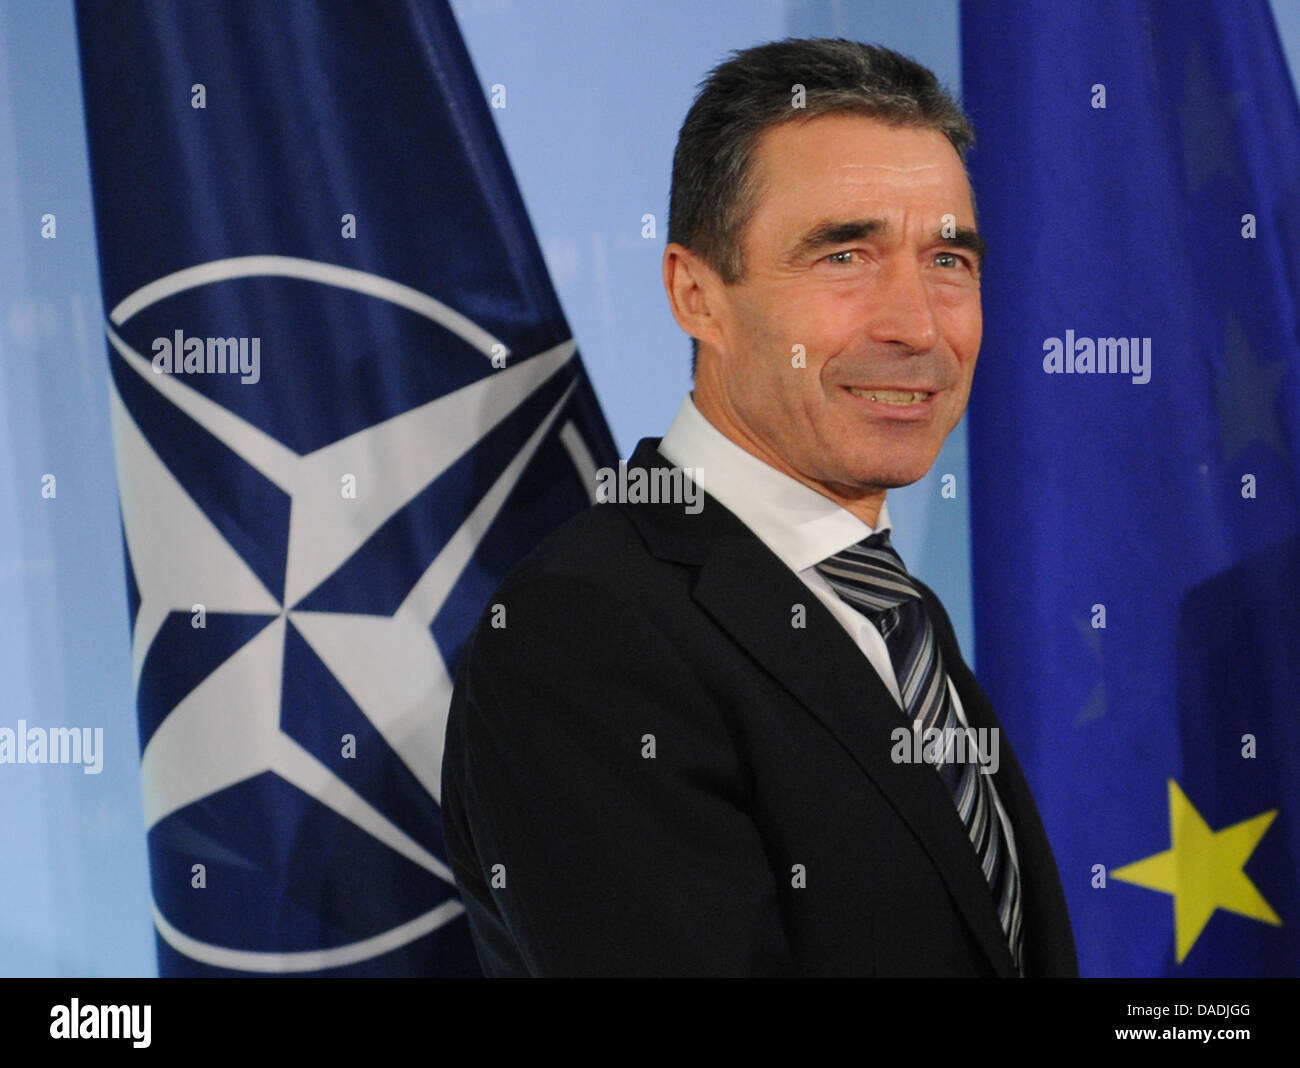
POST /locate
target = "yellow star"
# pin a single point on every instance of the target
(1203, 870)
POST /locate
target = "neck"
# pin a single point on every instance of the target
(865, 503)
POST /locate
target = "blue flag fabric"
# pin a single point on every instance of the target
(1135, 429)
(345, 402)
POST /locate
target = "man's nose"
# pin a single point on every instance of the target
(901, 311)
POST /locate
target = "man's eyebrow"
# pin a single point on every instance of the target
(831, 233)
(964, 237)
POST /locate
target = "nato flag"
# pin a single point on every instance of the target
(345, 402)
(1135, 494)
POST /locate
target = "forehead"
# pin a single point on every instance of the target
(857, 165)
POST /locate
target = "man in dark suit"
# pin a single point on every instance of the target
(687, 736)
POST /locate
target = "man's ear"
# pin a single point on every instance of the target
(693, 289)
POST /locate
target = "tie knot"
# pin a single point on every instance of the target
(870, 575)
(878, 540)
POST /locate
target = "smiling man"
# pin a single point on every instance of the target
(733, 740)
(846, 257)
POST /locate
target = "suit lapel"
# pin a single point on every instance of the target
(751, 595)
(1047, 950)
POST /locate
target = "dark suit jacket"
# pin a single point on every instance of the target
(576, 852)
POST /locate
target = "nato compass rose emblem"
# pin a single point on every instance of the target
(291, 642)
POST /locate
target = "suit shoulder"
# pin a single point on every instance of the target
(596, 581)
(591, 597)
(596, 547)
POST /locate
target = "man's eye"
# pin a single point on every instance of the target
(834, 257)
(956, 261)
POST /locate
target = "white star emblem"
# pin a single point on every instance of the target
(227, 729)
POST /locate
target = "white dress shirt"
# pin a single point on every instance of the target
(801, 526)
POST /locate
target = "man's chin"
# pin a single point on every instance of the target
(891, 476)
(889, 482)
(868, 482)
(890, 461)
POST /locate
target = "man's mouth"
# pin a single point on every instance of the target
(900, 397)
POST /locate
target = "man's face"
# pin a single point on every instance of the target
(848, 258)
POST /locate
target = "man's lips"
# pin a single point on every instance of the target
(897, 394)
(909, 402)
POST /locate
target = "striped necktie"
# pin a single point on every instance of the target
(871, 577)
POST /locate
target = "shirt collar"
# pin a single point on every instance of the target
(801, 526)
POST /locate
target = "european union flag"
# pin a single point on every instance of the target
(345, 402)
(1135, 429)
